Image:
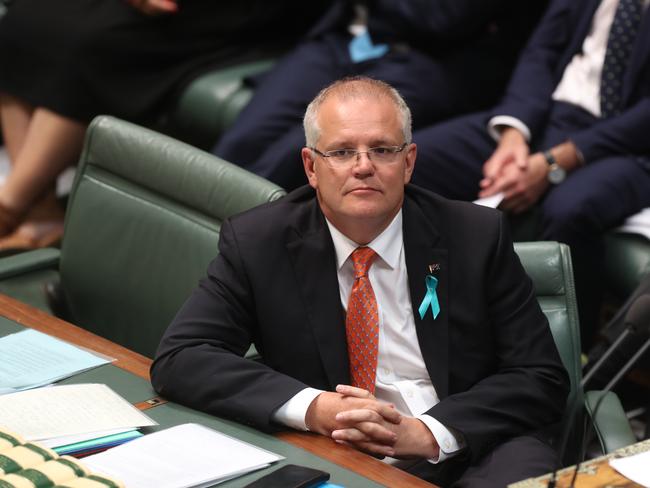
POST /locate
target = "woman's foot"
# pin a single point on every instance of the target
(10, 219)
(41, 226)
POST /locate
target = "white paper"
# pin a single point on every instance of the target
(31, 359)
(68, 410)
(634, 468)
(492, 202)
(188, 455)
(637, 224)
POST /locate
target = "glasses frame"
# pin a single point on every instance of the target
(355, 157)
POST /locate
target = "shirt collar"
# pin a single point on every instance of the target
(387, 245)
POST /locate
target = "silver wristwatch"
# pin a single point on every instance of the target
(556, 173)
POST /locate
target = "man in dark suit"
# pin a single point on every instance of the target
(571, 134)
(387, 317)
(434, 53)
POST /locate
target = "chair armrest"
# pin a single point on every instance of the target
(25, 262)
(610, 423)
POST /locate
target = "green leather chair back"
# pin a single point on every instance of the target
(142, 224)
(211, 103)
(549, 266)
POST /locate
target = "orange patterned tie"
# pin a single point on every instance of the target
(362, 323)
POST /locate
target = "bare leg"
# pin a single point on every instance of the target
(51, 143)
(43, 144)
(15, 116)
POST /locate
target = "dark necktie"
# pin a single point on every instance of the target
(619, 47)
(362, 323)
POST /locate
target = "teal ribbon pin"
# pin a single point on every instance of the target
(430, 298)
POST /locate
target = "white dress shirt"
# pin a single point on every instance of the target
(580, 83)
(402, 378)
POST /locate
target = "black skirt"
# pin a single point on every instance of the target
(81, 58)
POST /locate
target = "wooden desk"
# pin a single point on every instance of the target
(595, 473)
(139, 365)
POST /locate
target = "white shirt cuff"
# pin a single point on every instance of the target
(293, 412)
(449, 443)
(507, 120)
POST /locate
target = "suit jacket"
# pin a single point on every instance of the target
(557, 39)
(489, 353)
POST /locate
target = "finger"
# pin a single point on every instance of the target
(366, 433)
(389, 413)
(375, 450)
(495, 164)
(521, 160)
(488, 191)
(353, 391)
(353, 417)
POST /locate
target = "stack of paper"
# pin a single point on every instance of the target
(31, 359)
(94, 414)
(188, 455)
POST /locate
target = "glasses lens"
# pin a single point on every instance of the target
(339, 156)
(382, 154)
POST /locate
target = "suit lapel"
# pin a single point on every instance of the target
(312, 254)
(423, 248)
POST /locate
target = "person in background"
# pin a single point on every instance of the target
(387, 317)
(569, 139)
(446, 57)
(65, 62)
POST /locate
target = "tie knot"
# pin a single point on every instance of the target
(362, 258)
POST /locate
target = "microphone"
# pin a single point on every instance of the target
(637, 319)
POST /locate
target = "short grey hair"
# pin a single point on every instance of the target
(355, 87)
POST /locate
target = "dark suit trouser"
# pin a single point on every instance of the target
(267, 136)
(595, 198)
(514, 460)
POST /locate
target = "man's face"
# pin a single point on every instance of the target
(361, 192)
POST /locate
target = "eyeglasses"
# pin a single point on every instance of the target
(381, 154)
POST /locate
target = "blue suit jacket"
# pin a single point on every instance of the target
(558, 37)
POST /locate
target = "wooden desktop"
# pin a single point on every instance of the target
(138, 365)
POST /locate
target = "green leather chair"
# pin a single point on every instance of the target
(142, 224)
(627, 262)
(211, 102)
(549, 266)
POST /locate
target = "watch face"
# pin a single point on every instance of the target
(557, 174)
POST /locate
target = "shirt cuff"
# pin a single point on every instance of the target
(507, 120)
(293, 412)
(450, 444)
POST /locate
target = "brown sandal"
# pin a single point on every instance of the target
(10, 219)
(23, 241)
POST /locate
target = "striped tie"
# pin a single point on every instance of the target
(362, 323)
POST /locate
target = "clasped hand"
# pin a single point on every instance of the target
(355, 417)
(512, 170)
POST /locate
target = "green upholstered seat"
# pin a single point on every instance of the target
(211, 102)
(627, 256)
(142, 225)
(627, 262)
(549, 266)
